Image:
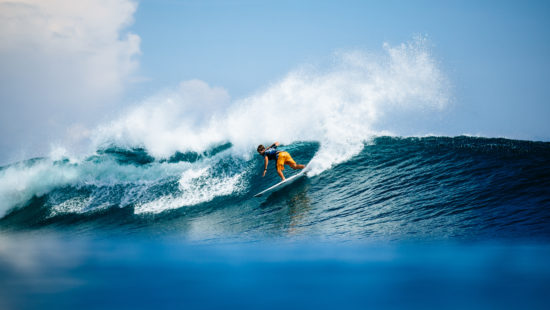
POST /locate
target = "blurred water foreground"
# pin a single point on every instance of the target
(42, 271)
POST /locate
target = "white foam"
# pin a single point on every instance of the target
(73, 205)
(195, 186)
(20, 182)
(341, 107)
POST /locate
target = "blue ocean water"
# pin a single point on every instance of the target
(432, 222)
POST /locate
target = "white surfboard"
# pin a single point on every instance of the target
(282, 183)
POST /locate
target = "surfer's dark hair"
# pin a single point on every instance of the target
(260, 148)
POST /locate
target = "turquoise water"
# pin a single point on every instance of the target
(434, 222)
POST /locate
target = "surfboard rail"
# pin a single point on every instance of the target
(281, 184)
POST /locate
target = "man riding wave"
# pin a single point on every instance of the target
(281, 157)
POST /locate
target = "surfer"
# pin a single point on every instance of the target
(282, 158)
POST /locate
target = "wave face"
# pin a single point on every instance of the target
(397, 188)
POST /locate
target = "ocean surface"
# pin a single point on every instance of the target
(418, 222)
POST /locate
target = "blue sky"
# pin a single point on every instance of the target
(71, 67)
(495, 53)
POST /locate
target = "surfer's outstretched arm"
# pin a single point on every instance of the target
(265, 165)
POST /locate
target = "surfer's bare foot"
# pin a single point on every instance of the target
(296, 166)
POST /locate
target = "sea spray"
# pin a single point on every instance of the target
(338, 109)
(22, 181)
(341, 107)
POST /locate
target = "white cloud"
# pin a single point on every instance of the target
(61, 63)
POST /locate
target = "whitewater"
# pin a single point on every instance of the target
(184, 162)
(159, 209)
(188, 156)
(338, 108)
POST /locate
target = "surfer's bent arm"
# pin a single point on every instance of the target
(274, 144)
(265, 165)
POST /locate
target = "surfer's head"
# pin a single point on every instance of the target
(261, 149)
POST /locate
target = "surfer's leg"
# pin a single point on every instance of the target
(289, 161)
(281, 162)
(296, 166)
(280, 172)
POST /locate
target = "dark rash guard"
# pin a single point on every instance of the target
(272, 153)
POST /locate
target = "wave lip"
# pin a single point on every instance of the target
(359, 96)
(22, 181)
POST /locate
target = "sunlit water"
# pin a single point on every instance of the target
(432, 222)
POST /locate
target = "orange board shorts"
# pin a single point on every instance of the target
(284, 159)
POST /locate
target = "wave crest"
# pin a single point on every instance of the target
(341, 107)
